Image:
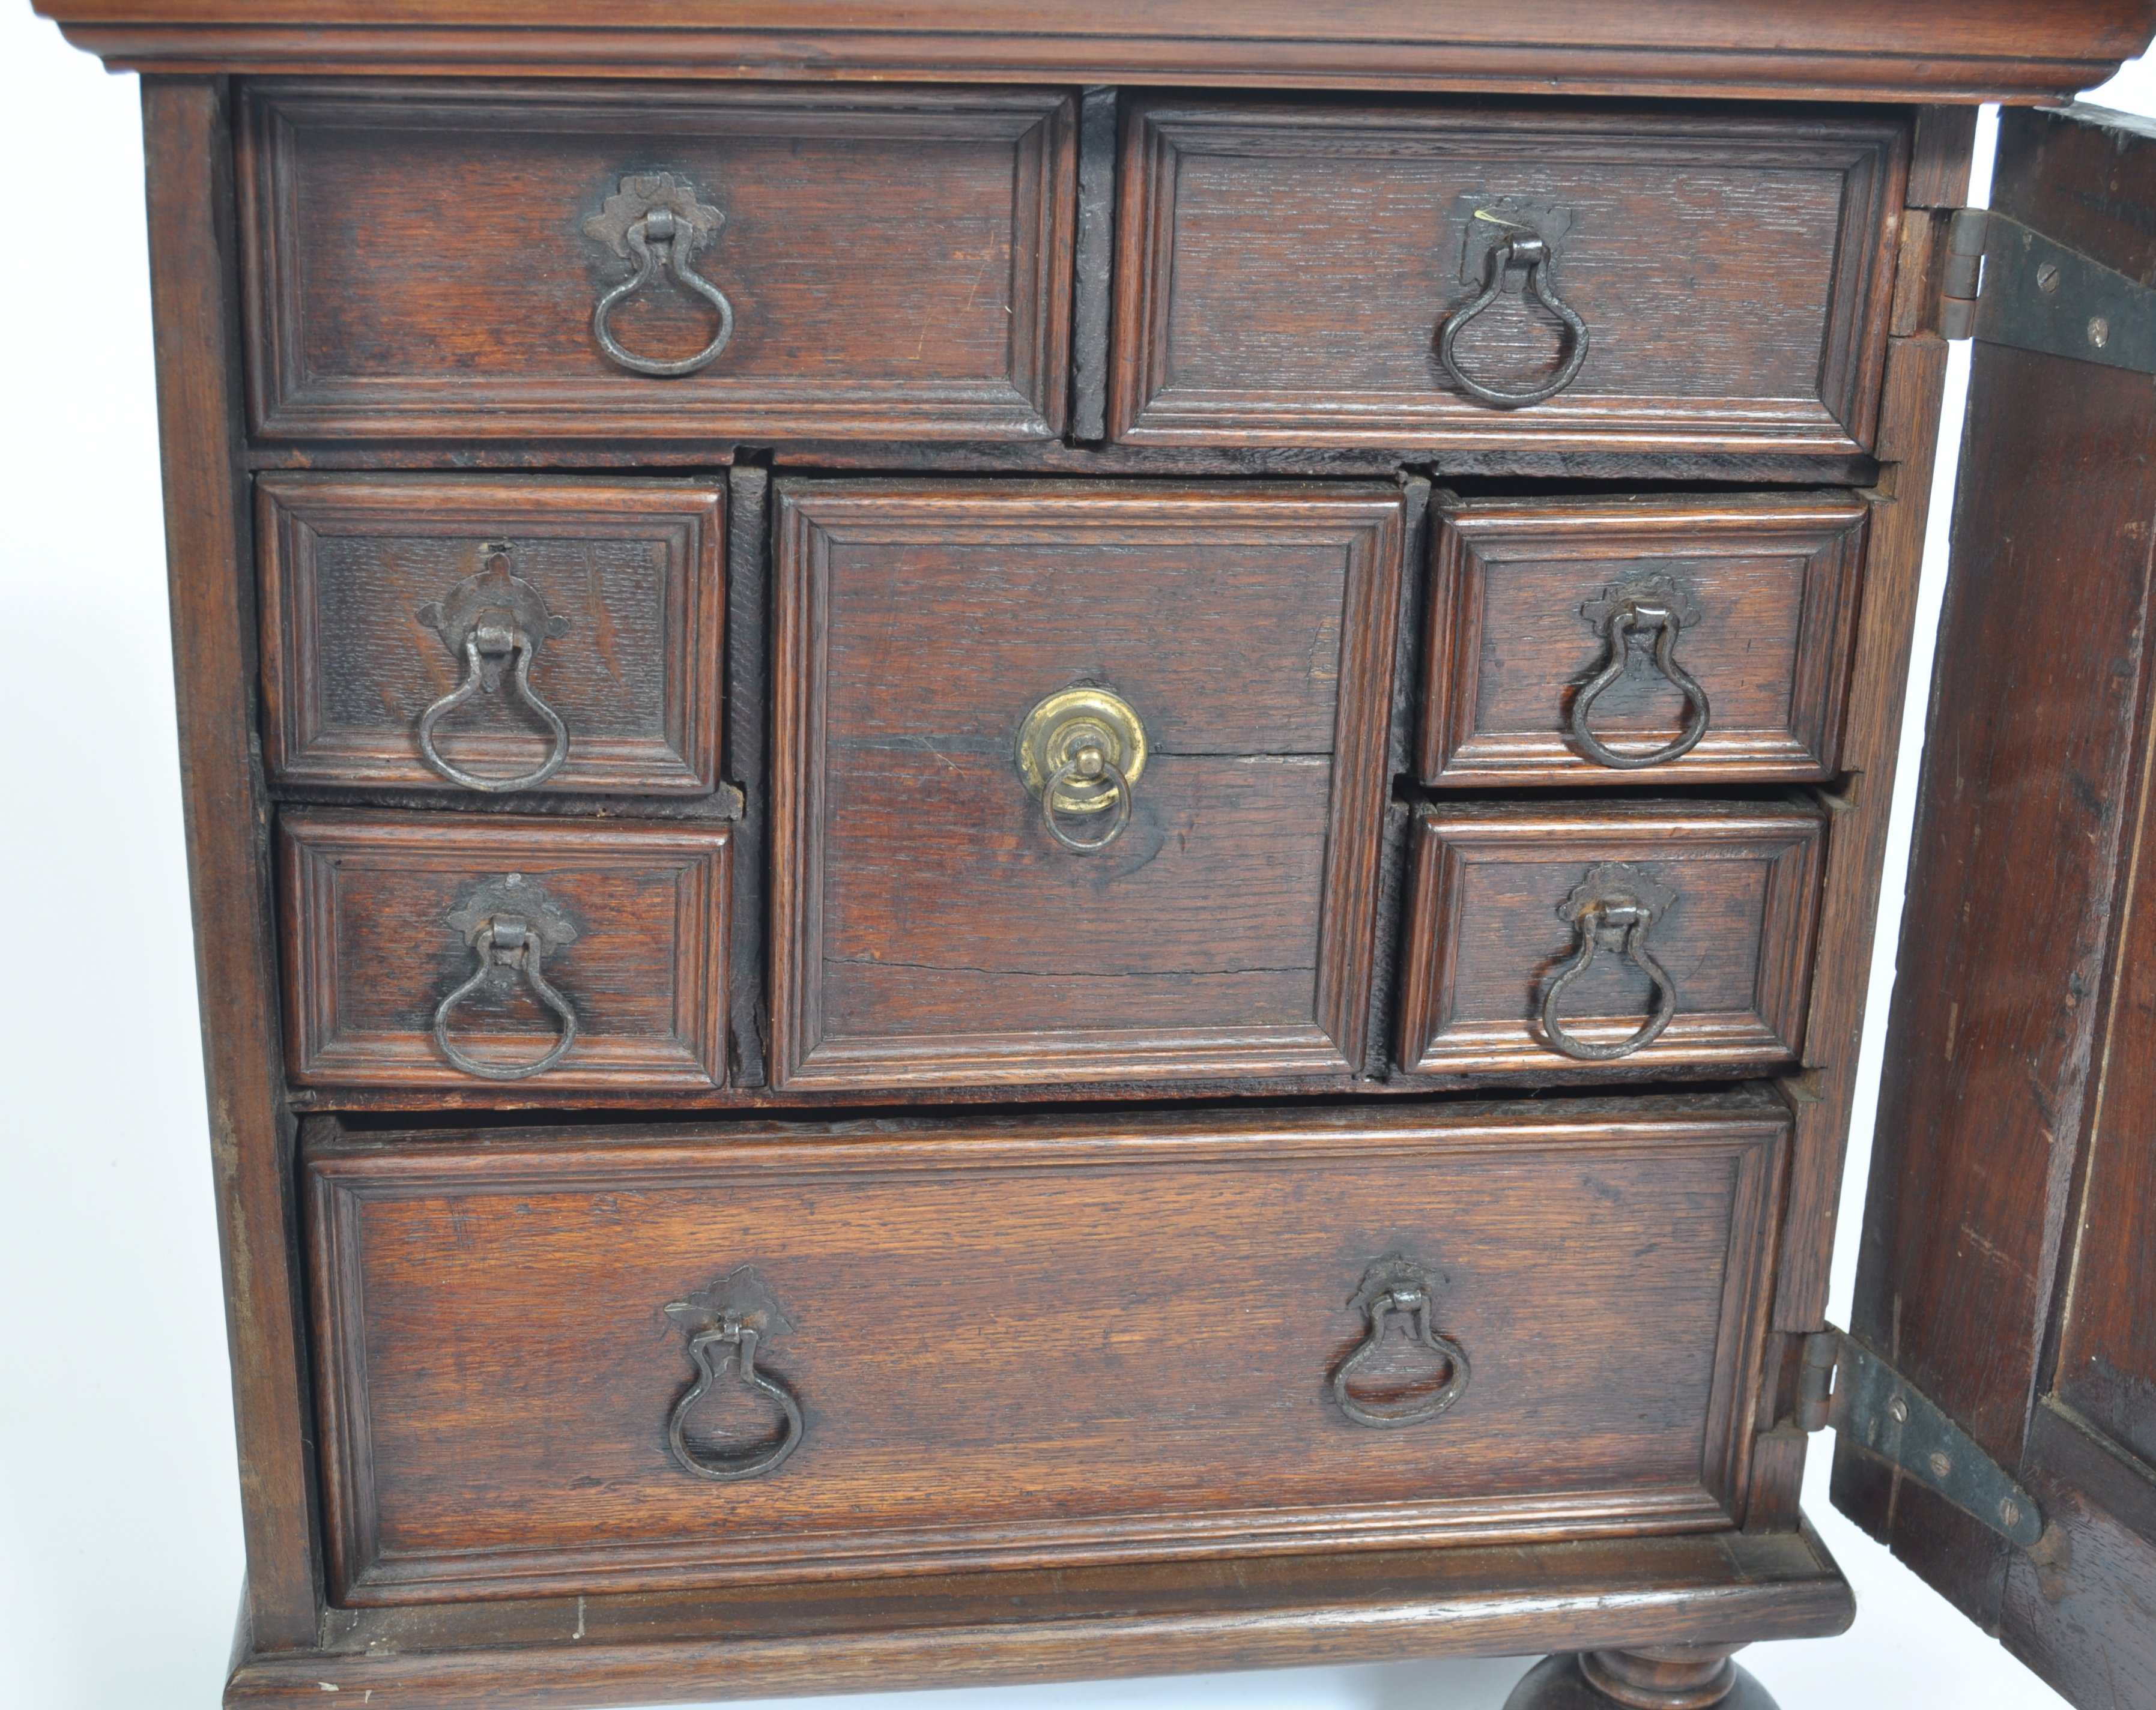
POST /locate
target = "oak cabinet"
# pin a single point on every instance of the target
(1043, 844)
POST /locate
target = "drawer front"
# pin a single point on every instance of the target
(1647, 935)
(511, 1402)
(931, 925)
(1635, 640)
(491, 635)
(1286, 275)
(465, 260)
(443, 951)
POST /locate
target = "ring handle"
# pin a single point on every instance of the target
(1532, 252)
(725, 1323)
(656, 220)
(1613, 909)
(1090, 765)
(508, 922)
(496, 622)
(477, 645)
(1079, 752)
(1395, 1284)
(1656, 606)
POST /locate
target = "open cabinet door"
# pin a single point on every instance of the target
(2009, 1262)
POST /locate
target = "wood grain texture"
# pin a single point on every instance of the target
(370, 950)
(209, 552)
(1774, 580)
(1968, 50)
(1941, 155)
(1861, 810)
(2104, 1352)
(1141, 1618)
(497, 1367)
(899, 264)
(1484, 935)
(635, 569)
(1095, 265)
(2029, 792)
(2076, 1609)
(1284, 271)
(926, 928)
(2004, 1256)
(1059, 457)
(748, 762)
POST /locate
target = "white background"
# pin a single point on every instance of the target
(120, 1546)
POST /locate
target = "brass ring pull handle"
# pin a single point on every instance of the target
(1090, 765)
(725, 1323)
(1532, 252)
(1613, 908)
(508, 922)
(1081, 752)
(1652, 606)
(657, 221)
(497, 623)
(1395, 1284)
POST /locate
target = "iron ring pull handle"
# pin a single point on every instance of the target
(1394, 1285)
(1090, 765)
(508, 922)
(725, 1323)
(484, 640)
(735, 1344)
(495, 621)
(1624, 617)
(506, 941)
(1613, 909)
(660, 227)
(1533, 253)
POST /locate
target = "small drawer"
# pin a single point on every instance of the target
(1487, 275)
(1640, 935)
(550, 1365)
(651, 261)
(491, 634)
(1638, 640)
(451, 951)
(1202, 904)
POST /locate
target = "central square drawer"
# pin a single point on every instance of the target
(1201, 903)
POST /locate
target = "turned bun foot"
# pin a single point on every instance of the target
(1665, 1677)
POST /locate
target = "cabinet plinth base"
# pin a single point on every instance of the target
(1664, 1677)
(1707, 1591)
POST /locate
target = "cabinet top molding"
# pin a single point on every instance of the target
(1911, 50)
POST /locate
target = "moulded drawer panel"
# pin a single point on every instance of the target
(929, 928)
(1284, 273)
(977, 1385)
(1497, 975)
(389, 915)
(1727, 619)
(376, 588)
(429, 260)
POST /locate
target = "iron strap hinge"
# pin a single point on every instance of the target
(2007, 284)
(1845, 1385)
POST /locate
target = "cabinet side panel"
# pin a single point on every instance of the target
(1825, 1094)
(1912, 397)
(210, 549)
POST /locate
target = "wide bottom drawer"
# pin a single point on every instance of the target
(637, 1357)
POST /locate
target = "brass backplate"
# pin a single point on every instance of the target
(1068, 720)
